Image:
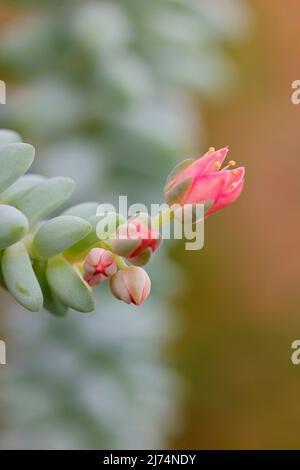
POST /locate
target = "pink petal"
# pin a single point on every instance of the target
(202, 166)
(107, 258)
(134, 281)
(94, 256)
(229, 194)
(88, 268)
(119, 289)
(205, 188)
(147, 287)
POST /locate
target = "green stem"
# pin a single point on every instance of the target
(120, 262)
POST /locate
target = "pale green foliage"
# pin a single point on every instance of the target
(15, 159)
(45, 198)
(34, 198)
(13, 225)
(58, 234)
(69, 286)
(19, 277)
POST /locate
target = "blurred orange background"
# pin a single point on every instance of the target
(243, 302)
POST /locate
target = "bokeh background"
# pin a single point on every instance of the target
(113, 93)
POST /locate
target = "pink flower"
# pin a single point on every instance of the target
(204, 181)
(132, 285)
(98, 266)
(136, 240)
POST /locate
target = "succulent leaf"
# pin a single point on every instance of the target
(84, 210)
(93, 239)
(58, 234)
(9, 137)
(15, 160)
(13, 225)
(51, 301)
(17, 190)
(20, 279)
(46, 197)
(68, 285)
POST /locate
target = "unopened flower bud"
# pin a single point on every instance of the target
(132, 285)
(98, 266)
(136, 240)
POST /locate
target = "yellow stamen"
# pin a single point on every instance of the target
(211, 149)
(231, 163)
(234, 185)
(235, 172)
(217, 165)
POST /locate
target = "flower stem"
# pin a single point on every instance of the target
(120, 262)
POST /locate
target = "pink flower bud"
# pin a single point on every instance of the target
(203, 181)
(136, 240)
(132, 285)
(98, 266)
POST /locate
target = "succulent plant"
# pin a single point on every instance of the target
(36, 255)
(33, 268)
(54, 263)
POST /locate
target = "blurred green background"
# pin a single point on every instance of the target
(113, 93)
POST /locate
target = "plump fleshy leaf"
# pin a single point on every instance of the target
(17, 190)
(15, 159)
(13, 225)
(58, 234)
(75, 252)
(20, 279)
(9, 137)
(68, 285)
(46, 197)
(84, 210)
(51, 301)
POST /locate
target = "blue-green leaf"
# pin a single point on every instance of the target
(20, 279)
(46, 197)
(84, 210)
(51, 302)
(13, 225)
(68, 285)
(17, 190)
(58, 234)
(9, 137)
(15, 159)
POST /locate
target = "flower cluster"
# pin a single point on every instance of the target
(134, 242)
(201, 181)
